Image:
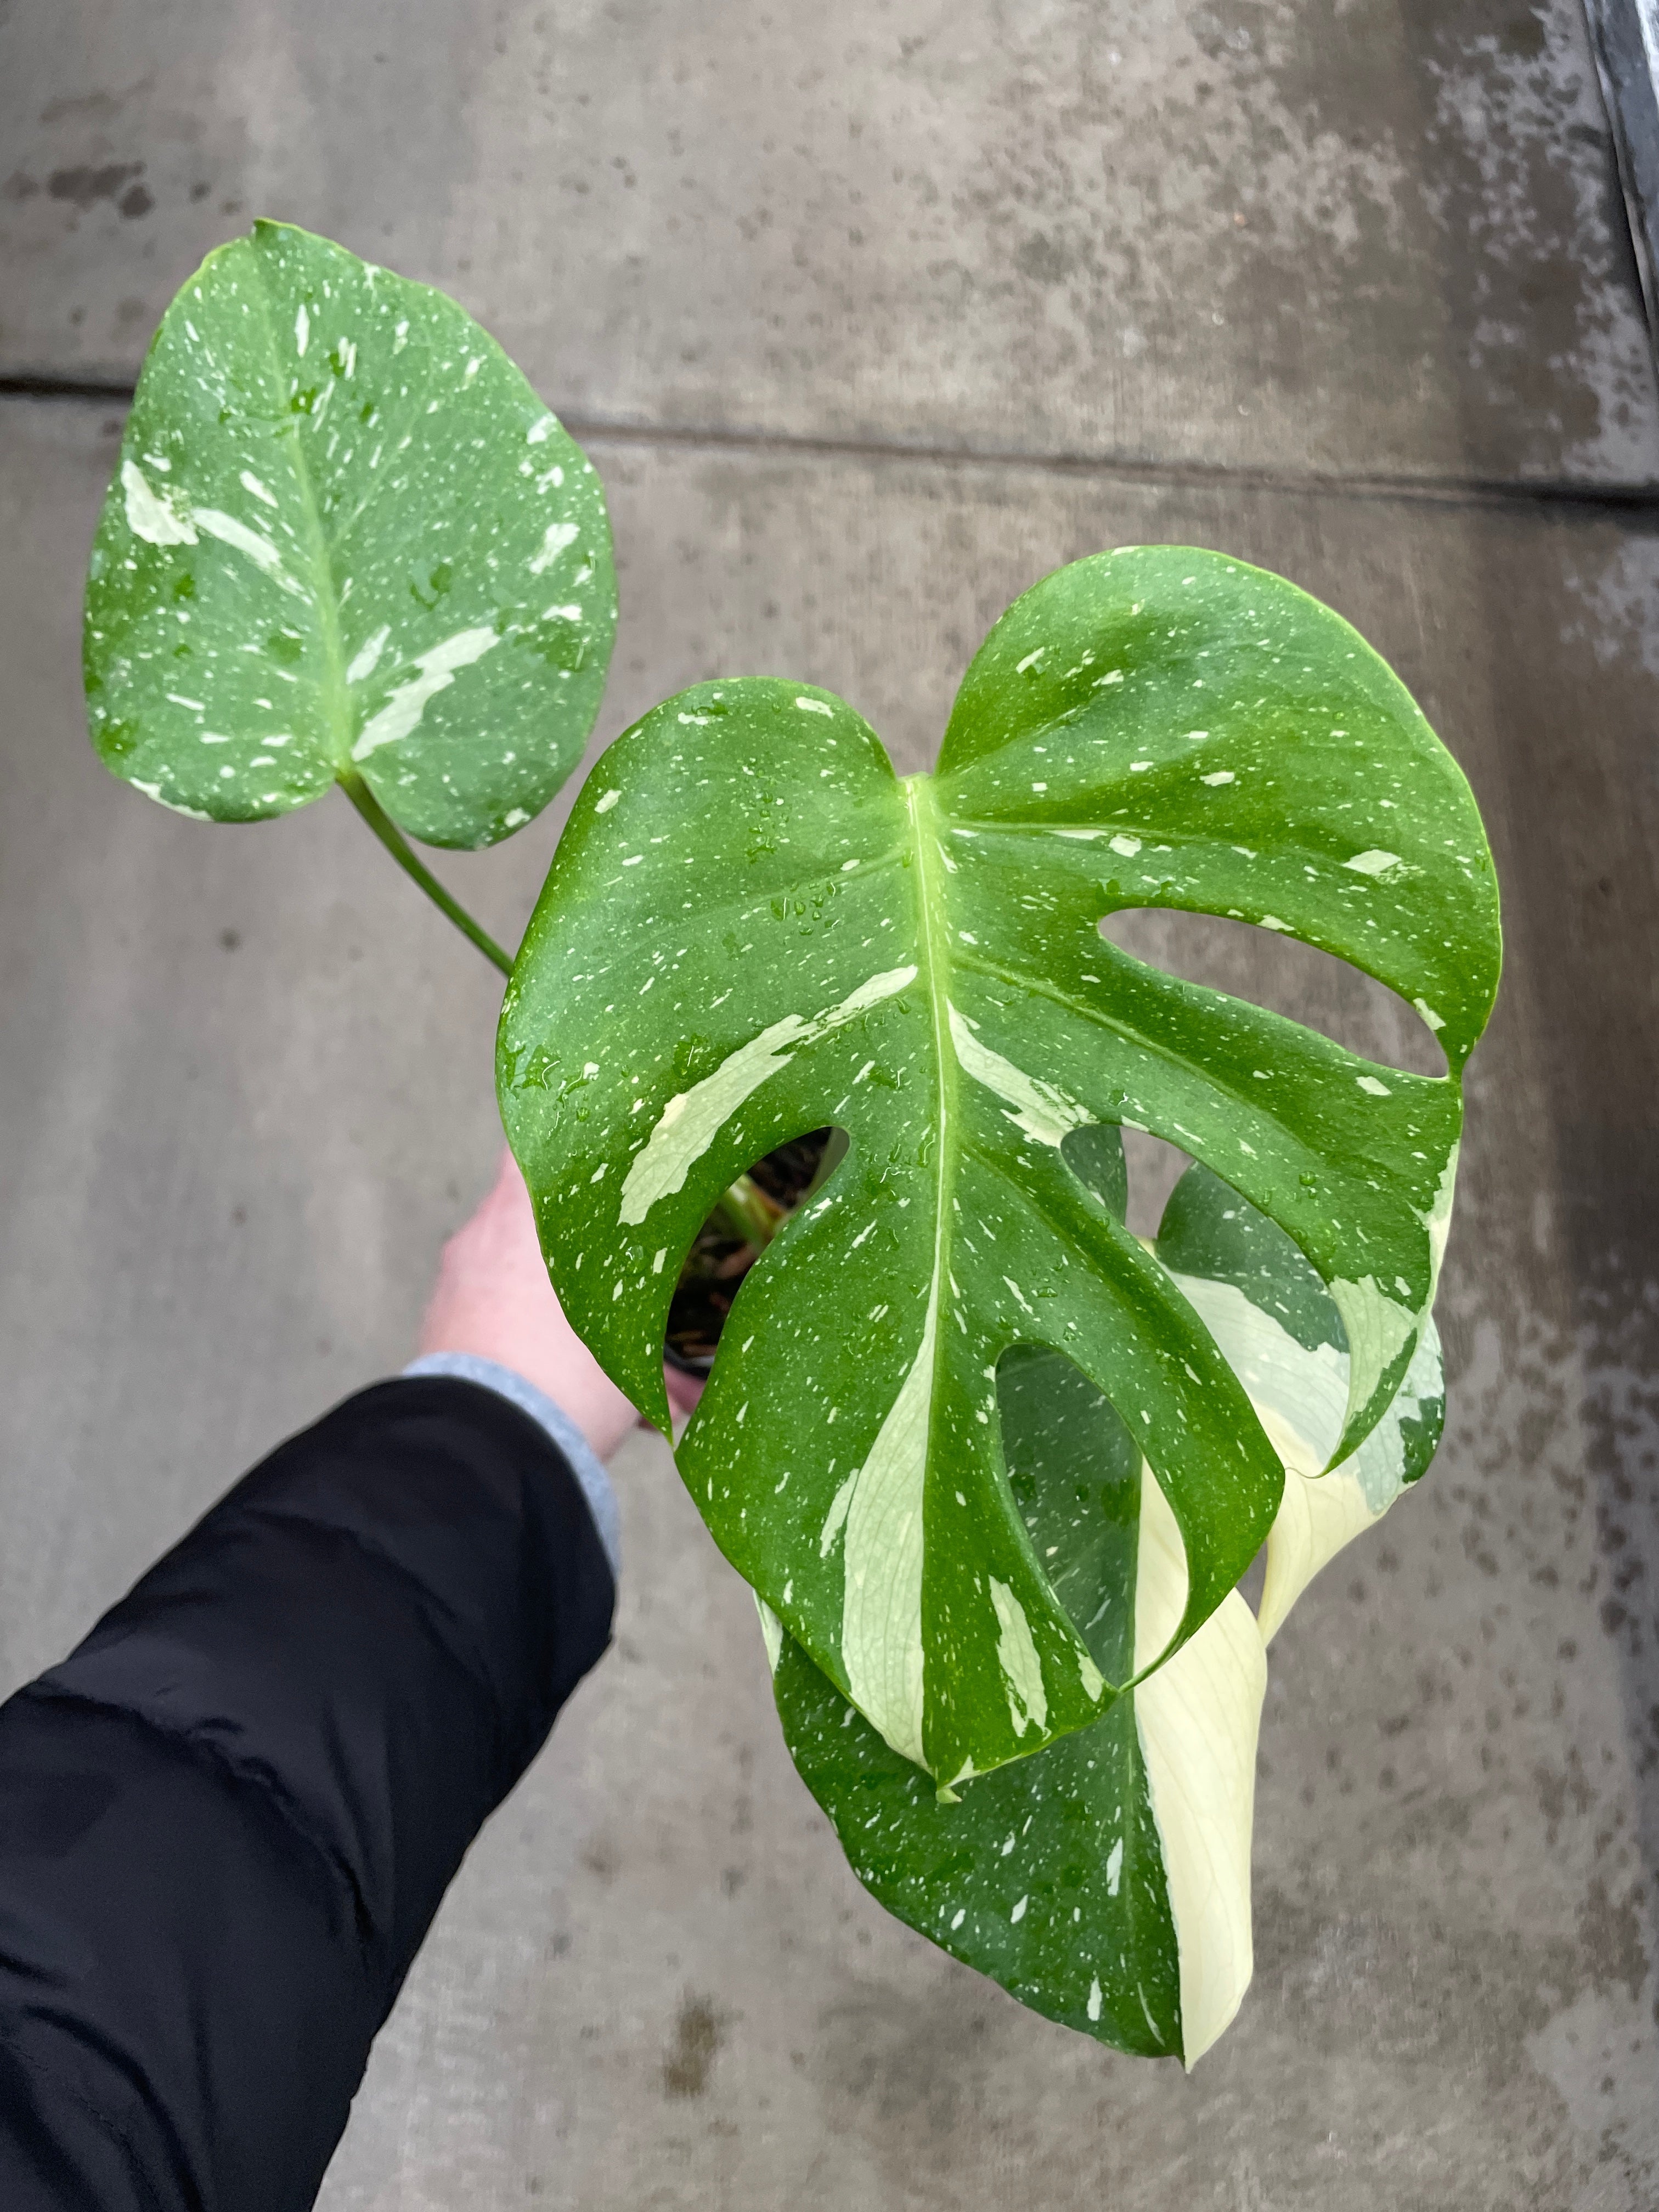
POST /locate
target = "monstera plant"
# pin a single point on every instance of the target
(993, 1467)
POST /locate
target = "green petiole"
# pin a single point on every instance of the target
(392, 838)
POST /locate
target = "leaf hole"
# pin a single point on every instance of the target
(1155, 1167)
(1285, 976)
(1076, 1474)
(1074, 1471)
(1095, 1155)
(733, 1237)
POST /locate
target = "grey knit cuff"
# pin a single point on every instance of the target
(585, 1463)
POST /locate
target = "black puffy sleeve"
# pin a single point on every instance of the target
(227, 1820)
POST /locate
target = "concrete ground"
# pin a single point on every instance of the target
(870, 315)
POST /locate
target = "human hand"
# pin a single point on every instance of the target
(492, 1298)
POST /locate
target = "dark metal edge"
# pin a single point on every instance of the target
(1631, 99)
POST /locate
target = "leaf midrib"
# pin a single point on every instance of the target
(933, 945)
(335, 692)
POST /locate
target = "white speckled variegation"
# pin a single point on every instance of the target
(1107, 1880)
(328, 553)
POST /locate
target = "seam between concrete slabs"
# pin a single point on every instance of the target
(1637, 496)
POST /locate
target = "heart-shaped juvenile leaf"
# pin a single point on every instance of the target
(345, 536)
(751, 928)
(1105, 1882)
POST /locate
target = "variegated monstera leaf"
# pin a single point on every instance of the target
(752, 928)
(1106, 1882)
(345, 540)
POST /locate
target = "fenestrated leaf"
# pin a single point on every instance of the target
(1105, 1881)
(344, 536)
(752, 928)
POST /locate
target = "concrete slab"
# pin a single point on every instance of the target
(1371, 237)
(246, 1090)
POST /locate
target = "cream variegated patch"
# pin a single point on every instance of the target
(1319, 1516)
(691, 1119)
(1041, 1110)
(1378, 1328)
(881, 1645)
(1197, 1718)
(402, 711)
(1322, 1513)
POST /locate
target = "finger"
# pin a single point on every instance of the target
(683, 1390)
